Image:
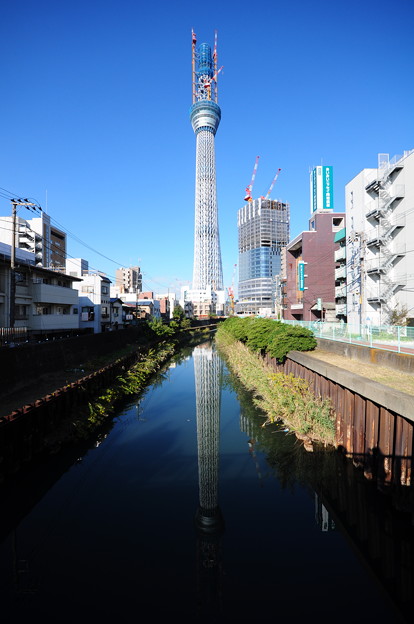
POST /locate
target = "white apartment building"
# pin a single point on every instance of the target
(38, 236)
(94, 296)
(204, 301)
(380, 241)
(127, 281)
(44, 301)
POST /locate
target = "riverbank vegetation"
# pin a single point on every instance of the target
(283, 398)
(161, 346)
(263, 335)
(132, 381)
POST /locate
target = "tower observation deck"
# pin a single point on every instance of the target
(205, 115)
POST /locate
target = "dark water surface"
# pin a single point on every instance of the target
(186, 509)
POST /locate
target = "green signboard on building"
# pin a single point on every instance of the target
(301, 275)
(322, 188)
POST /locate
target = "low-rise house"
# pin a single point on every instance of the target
(94, 296)
(116, 315)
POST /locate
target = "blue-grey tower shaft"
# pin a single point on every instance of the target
(205, 115)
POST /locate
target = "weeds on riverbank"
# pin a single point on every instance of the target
(133, 381)
(282, 397)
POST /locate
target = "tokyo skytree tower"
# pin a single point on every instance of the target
(205, 115)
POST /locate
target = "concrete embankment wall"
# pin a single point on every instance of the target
(22, 364)
(25, 363)
(391, 359)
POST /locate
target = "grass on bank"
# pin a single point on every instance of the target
(283, 398)
(135, 379)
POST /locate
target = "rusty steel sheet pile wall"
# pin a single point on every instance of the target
(377, 438)
(379, 527)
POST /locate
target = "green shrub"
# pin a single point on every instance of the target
(268, 336)
(292, 339)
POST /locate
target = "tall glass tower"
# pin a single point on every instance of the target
(263, 226)
(205, 115)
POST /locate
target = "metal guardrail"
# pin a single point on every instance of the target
(389, 337)
(12, 335)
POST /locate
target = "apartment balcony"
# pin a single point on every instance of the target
(340, 273)
(340, 310)
(49, 293)
(340, 254)
(340, 292)
(296, 306)
(54, 321)
(25, 236)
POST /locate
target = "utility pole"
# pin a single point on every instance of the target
(27, 204)
(12, 266)
(362, 269)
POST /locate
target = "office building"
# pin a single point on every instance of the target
(263, 230)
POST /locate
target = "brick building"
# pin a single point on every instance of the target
(308, 286)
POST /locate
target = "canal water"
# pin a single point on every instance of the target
(186, 508)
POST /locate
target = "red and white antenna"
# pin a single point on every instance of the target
(248, 196)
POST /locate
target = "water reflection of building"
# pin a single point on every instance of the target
(322, 516)
(208, 520)
(376, 519)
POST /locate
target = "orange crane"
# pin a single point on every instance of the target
(249, 189)
(267, 196)
(231, 291)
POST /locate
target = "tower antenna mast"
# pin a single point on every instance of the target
(205, 115)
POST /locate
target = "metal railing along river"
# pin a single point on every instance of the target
(390, 337)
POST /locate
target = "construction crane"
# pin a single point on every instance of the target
(231, 291)
(249, 189)
(267, 196)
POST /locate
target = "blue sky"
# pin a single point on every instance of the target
(95, 124)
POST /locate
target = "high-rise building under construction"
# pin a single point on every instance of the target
(207, 291)
(263, 227)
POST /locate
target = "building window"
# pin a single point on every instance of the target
(75, 310)
(87, 314)
(337, 223)
(20, 312)
(20, 278)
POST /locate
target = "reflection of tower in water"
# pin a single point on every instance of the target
(208, 520)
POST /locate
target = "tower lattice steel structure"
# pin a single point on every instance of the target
(205, 115)
(209, 521)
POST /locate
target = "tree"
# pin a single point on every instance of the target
(398, 316)
(178, 313)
